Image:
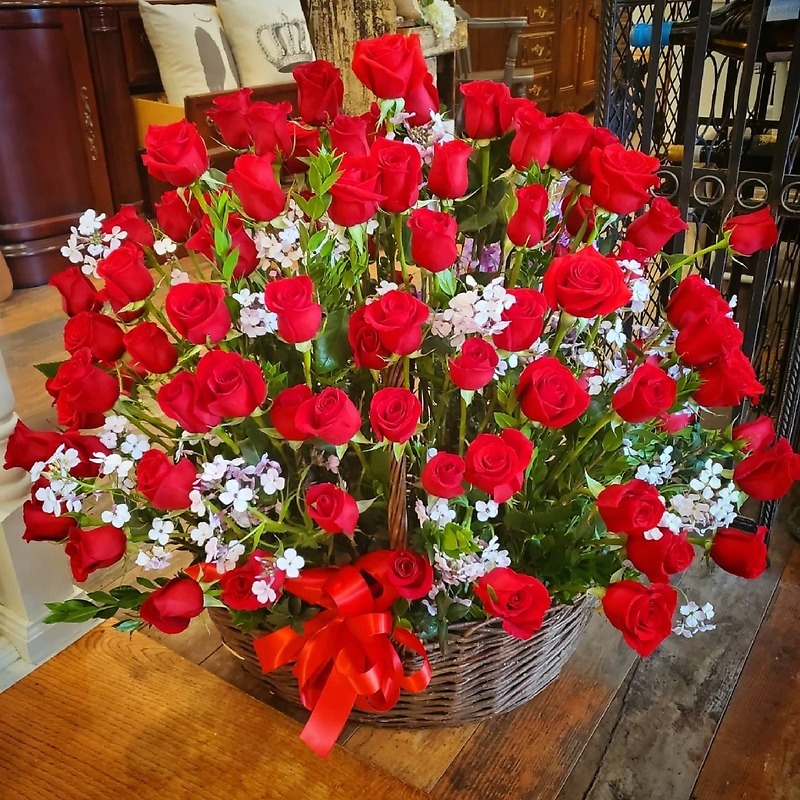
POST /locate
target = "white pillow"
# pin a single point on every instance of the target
(191, 48)
(266, 36)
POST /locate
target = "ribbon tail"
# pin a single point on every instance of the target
(329, 715)
(419, 680)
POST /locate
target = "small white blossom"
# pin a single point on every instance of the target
(117, 516)
(588, 359)
(90, 222)
(385, 287)
(708, 480)
(332, 463)
(236, 495)
(594, 385)
(486, 511)
(614, 334)
(135, 445)
(224, 556)
(695, 619)
(272, 482)
(264, 592)
(202, 533)
(653, 535)
(198, 506)
(441, 513)
(421, 512)
(163, 247)
(640, 295)
(50, 503)
(290, 562)
(161, 530)
(178, 276)
(157, 558)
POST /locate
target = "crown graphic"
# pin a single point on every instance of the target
(285, 43)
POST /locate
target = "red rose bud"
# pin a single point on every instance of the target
(178, 399)
(549, 393)
(303, 142)
(333, 509)
(25, 446)
(648, 392)
(533, 139)
(650, 232)
(349, 136)
(173, 606)
(174, 217)
(355, 196)
(527, 225)
(394, 413)
(672, 423)
(657, 559)
(706, 338)
(643, 614)
(578, 216)
(622, 178)
(757, 435)
(97, 332)
(284, 412)
(411, 574)
(229, 114)
(633, 507)
(448, 178)
(292, 299)
(237, 584)
(203, 242)
(519, 600)
(400, 170)
(320, 91)
(127, 279)
(739, 553)
(176, 153)
(253, 180)
(398, 317)
(164, 484)
(198, 312)
(481, 108)
(42, 527)
(150, 348)
(330, 415)
(229, 385)
(525, 321)
(770, 473)
(497, 464)
(433, 239)
(443, 476)
(268, 124)
(77, 291)
(571, 132)
(391, 66)
(510, 107)
(89, 551)
(365, 342)
(752, 232)
(586, 284)
(422, 101)
(474, 366)
(692, 298)
(126, 219)
(728, 381)
(583, 171)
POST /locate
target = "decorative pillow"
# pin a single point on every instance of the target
(191, 48)
(267, 36)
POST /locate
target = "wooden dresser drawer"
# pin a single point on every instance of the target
(535, 48)
(540, 89)
(541, 12)
(140, 61)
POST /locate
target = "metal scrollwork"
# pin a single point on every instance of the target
(88, 124)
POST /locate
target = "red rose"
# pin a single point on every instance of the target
(769, 473)
(571, 132)
(198, 312)
(583, 171)
(98, 332)
(525, 320)
(672, 423)
(757, 435)
(411, 574)
(164, 484)
(330, 415)
(204, 242)
(284, 412)
(622, 178)
(533, 139)
(422, 101)
(375, 128)
(176, 153)
(752, 232)
(229, 385)
(549, 393)
(178, 399)
(237, 584)
(510, 107)
(355, 196)
(229, 114)
(127, 279)
(42, 527)
(394, 413)
(268, 124)
(320, 91)
(171, 607)
(633, 507)
(390, 66)
(126, 219)
(586, 284)
(707, 338)
(400, 170)
(349, 136)
(292, 299)
(474, 366)
(433, 239)
(174, 217)
(579, 216)
(443, 476)
(448, 178)
(89, 551)
(333, 509)
(365, 342)
(692, 298)
(642, 613)
(660, 558)
(150, 348)
(497, 464)
(648, 392)
(398, 317)
(740, 553)
(77, 291)
(86, 447)
(519, 600)
(25, 446)
(650, 232)
(303, 142)
(728, 381)
(481, 108)
(527, 225)
(253, 180)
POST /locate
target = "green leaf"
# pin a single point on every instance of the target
(146, 582)
(331, 348)
(127, 625)
(229, 265)
(446, 282)
(504, 420)
(595, 487)
(49, 368)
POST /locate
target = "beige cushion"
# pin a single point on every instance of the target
(193, 53)
(266, 36)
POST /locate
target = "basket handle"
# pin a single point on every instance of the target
(398, 503)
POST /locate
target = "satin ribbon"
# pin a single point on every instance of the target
(345, 656)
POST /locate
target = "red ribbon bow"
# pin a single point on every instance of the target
(345, 656)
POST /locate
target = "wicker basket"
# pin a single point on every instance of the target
(485, 672)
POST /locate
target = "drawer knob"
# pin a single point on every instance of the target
(538, 50)
(536, 90)
(539, 11)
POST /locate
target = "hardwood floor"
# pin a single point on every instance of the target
(709, 718)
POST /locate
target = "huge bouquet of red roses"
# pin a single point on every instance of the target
(401, 380)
